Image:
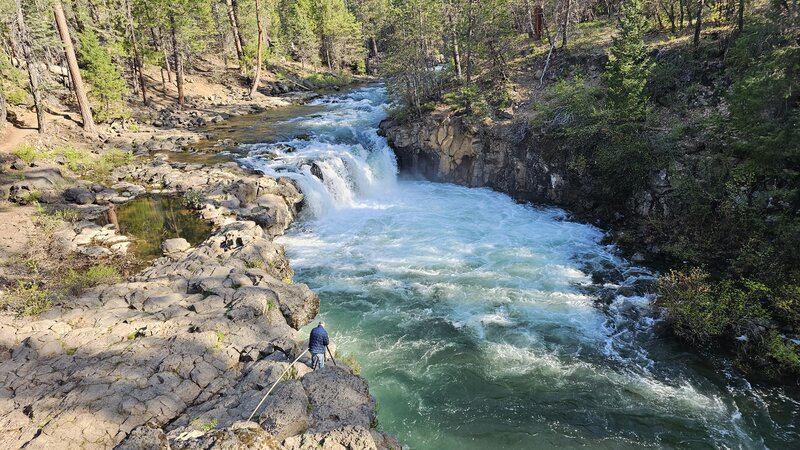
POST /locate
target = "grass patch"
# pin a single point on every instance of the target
(137, 334)
(254, 263)
(110, 160)
(31, 198)
(27, 153)
(350, 361)
(205, 426)
(290, 374)
(78, 161)
(220, 338)
(76, 282)
(328, 80)
(28, 299)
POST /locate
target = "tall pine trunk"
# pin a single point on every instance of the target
(740, 19)
(470, 25)
(257, 76)
(177, 58)
(237, 40)
(698, 24)
(74, 72)
(220, 33)
(3, 110)
(23, 39)
(564, 28)
(235, 6)
(454, 38)
(137, 59)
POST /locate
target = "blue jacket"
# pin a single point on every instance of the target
(318, 340)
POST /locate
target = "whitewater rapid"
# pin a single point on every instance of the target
(484, 323)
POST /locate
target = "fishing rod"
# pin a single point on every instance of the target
(275, 384)
(331, 354)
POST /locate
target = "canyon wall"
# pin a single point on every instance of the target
(511, 156)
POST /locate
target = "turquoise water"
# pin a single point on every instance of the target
(483, 323)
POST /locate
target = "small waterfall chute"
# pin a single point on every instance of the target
(336, 156)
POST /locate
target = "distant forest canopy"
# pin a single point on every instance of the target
(407, 40)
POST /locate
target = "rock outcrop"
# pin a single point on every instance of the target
(511, 157)
(178, 356)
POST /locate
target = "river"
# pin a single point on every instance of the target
(484, 323)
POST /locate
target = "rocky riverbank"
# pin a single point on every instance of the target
(180, 354)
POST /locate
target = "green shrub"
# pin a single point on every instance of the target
(17, 97)
(205, 426)
(193, 199)
(31, 197)
(291, 374)
(787, 305)
(254, 263)
(783, 354)
(469, 99)
(321, 80)
(700, 310)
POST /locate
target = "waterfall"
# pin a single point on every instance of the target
(336, 156)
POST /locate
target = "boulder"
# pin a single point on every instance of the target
(285, 413)
(338, 398)
(175, 245)
(81, 196)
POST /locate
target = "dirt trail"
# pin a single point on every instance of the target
(12, 137)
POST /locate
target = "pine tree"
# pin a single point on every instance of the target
(300, 30)
(340, 34)
(629, 66)
(373, 15)
(108, 86)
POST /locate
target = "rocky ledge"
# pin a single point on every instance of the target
(179, 356)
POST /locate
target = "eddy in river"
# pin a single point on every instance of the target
(317, 343)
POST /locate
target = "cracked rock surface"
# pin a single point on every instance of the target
(178, 356)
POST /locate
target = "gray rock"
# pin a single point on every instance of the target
(338, 398)
(175, 245)
(240, 436)
(146, 437)
(81, 196)
(348, 437)
(286, 411)
(186, 346)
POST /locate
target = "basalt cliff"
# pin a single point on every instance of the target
(511, 156)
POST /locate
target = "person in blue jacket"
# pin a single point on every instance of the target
(317, 344)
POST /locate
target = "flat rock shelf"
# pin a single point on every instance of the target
(179, 355)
